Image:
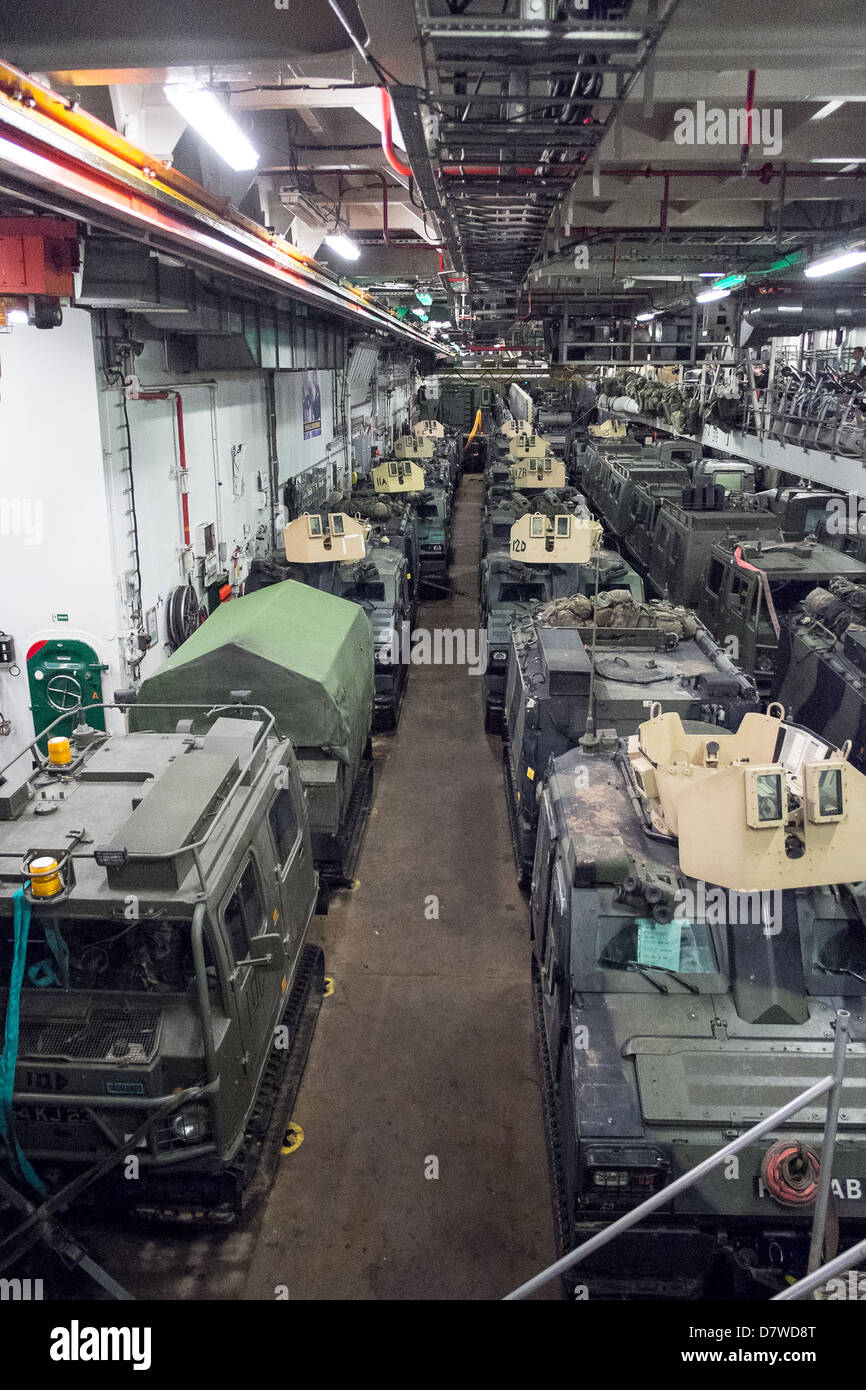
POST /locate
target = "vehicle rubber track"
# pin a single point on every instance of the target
(233, 1196)
(524, 877)
(552, 1135)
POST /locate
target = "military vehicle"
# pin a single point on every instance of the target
(614, 491)
(675, 1010)
(749, 589)
(644, 503)
(548, 557)
(391, 517)
(375, 575)
(801, 511)
(500, 513)
(684, 536)
(568, 683)
(822, 665)
(308, 656)
(155, 899)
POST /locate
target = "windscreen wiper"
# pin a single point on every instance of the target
(635, 968)
(641, 969)
(839, 970)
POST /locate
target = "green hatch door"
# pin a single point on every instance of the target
(62, 674)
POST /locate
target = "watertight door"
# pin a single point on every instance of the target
(62, 674)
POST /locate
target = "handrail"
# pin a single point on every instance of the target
(831, 1083)
(847, 1260)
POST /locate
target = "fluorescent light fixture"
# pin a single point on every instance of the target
(826, 110)
(545, 32)
(17, 316)
(708, 296)
(790, 308)
(849, 168)
(832, 264)
(838, 159)
(343, 245)
(203, 110)
(709, 274)
(645, 318)
(730, 282)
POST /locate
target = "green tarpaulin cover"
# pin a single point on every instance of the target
(306, 655)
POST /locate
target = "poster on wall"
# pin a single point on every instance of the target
(312, 405)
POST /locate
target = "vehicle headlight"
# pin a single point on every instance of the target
(624, 1178)
(191, 1124)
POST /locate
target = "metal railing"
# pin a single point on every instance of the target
(830, 1085)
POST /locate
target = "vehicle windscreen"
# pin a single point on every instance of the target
(522, 593)
(103, 954)
(641, 943)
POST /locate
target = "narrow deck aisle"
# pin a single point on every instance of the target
(426, 1047)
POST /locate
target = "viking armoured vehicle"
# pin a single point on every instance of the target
(548, 557)
(568, 683)
(822, 664)
(155, 900)
(749, 591)
(697, 922)
(684, 536)
(307, 656)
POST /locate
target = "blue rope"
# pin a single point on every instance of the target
(18, 1160)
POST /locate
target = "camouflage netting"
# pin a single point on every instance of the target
(669, 403)
(617, 608)
(551, 502)
(837, 606)
(372, 506)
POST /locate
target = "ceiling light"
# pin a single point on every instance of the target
(343, 245)
(545, 32)
(840, 159)
(831, 264)
(790, 308)
(645, 318)
(709, 274)
(730, 282)
(708, 296)
(203, 110)
(826, 110)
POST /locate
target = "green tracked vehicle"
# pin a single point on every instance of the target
(569, 684)
(675, 1010)
(156, 896)
(684, 536)
(822, 664)
(749, 591)
(307, 656)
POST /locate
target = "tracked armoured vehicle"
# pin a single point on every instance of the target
(308, 656)
(684, 536)
(750, 590)
(548, 557)
(499, 516)
(155, 900)
(822, 665)
(675, 1010)
(567, 683)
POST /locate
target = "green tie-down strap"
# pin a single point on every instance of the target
(18, 1160)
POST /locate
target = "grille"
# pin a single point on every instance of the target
(106, 1035)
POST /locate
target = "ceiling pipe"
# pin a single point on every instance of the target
(387, 140)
